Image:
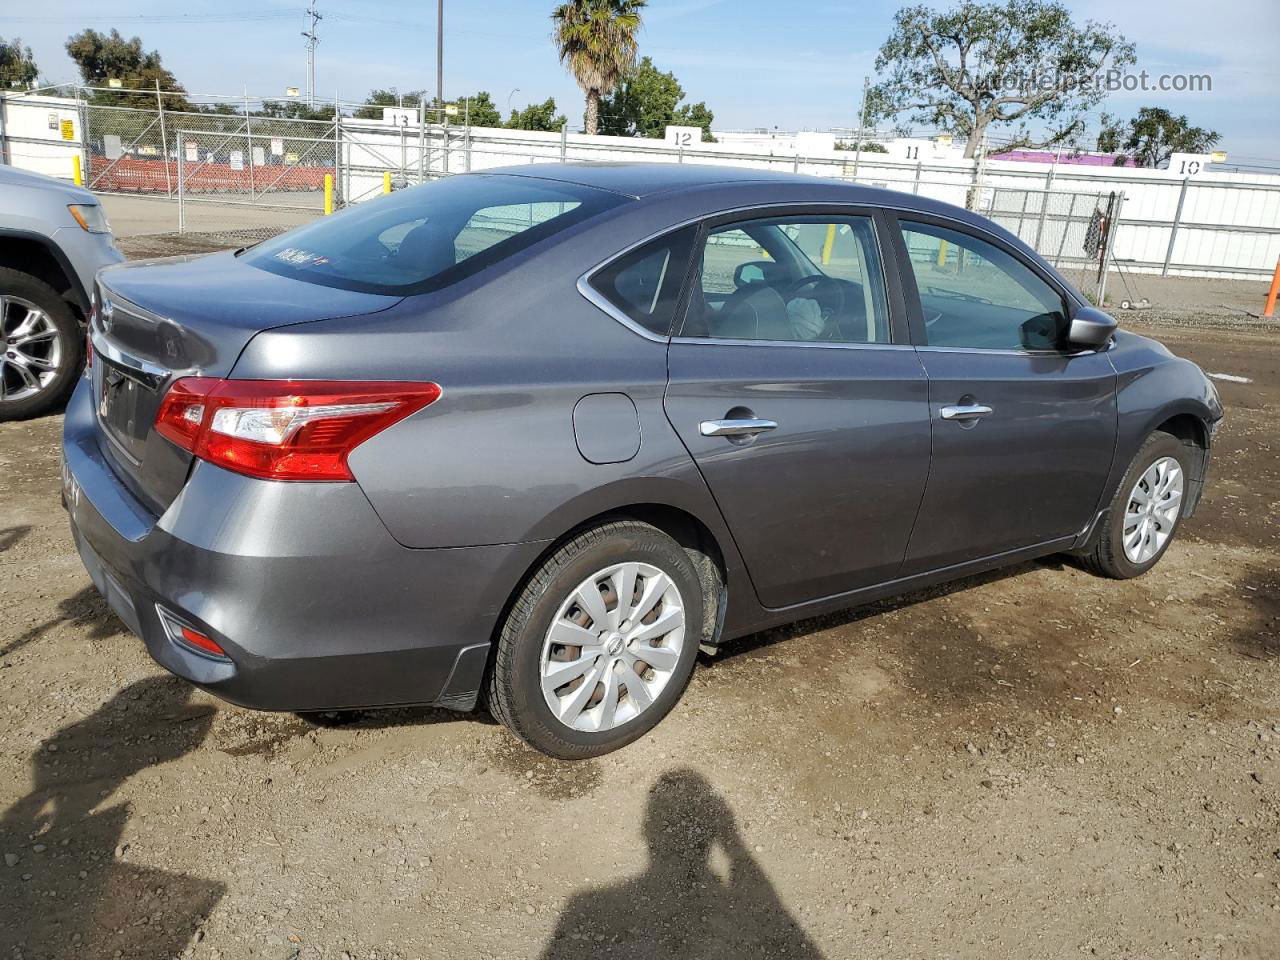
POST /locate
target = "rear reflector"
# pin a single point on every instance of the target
(193, 638)
(189, 637)
(284, 429)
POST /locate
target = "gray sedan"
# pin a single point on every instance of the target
(534, 437)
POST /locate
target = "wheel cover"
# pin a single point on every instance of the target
(1152, 510)
(30, 349)
(612, 647)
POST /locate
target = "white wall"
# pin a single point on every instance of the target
(31, 134)
(1230, 223)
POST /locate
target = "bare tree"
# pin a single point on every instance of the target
(980, 66)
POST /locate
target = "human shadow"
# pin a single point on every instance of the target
(68, 888)
(701, 896)
(11, 536)
(86, 608)
(1257, 634)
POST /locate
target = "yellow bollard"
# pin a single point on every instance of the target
(828, 243)
(76, 175)
(942, 253)
(328, 194)
(386, 181)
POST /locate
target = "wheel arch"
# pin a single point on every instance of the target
(1194, 433)
(685, 527)
(39, 257)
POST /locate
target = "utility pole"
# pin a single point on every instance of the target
(440, 54)
(313, 40)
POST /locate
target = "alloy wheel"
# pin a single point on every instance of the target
(612, 647)
(30, 351)
(1152, 510)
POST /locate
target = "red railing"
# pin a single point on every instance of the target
(144, 175)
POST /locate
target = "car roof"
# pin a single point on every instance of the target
(672, 183)
(635, 179)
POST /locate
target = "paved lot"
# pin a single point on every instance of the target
(148, 226)
(1035, 763)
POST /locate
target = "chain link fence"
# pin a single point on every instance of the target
(226, 175)
(242, 185)
(1072, 230)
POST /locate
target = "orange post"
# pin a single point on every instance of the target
(1271, 294)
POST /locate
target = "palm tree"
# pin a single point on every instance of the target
(597, 41)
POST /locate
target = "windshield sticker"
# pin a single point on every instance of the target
(299, 258)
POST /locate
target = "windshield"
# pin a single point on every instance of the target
(430, 236)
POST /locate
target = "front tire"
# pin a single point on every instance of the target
(41, 347)
(600, 643)
(1145, 512)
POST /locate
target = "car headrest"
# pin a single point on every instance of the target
(759, 315)
(429, 247)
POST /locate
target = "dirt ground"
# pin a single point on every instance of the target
(1032, 764)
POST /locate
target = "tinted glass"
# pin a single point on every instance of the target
(430, 236)
(791, 279)
(974, 294)
(645, 283)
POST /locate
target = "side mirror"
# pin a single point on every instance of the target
(753, 271)
(1090, 327)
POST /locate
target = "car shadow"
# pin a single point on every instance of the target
(702, 894)
(843, 618)
(69, 887)
(382, 718)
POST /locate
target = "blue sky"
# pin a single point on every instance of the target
(756, 62)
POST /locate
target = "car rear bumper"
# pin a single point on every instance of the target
(317, 606)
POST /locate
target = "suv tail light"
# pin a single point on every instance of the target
(284, 429)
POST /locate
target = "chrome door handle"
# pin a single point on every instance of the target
(735, 428)
(966, 411)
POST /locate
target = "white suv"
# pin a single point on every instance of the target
(53, 239)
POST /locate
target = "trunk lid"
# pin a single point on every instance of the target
(161, 320)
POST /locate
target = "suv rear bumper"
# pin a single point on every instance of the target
(317, 606)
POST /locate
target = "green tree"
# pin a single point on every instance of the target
(597, 42)
(868, 146)
(295, 110)
(1153, 136)
(537, 116)
(102, 57)
(1111, 134)
(696, 115)
(378, 99)
(478, 109)
(646, 101)
(989, 65)
(17, 66)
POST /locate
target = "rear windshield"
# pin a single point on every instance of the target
(430, 236)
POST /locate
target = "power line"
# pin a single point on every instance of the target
(175, 18)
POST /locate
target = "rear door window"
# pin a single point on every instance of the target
(430, 236)
(791, 279)
(644, 284)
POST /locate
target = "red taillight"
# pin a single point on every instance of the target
(284, 429)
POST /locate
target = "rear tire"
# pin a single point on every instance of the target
(1131, 539)
(570, 721)
(38, 374)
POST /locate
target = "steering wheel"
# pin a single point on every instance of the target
(827, 292)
